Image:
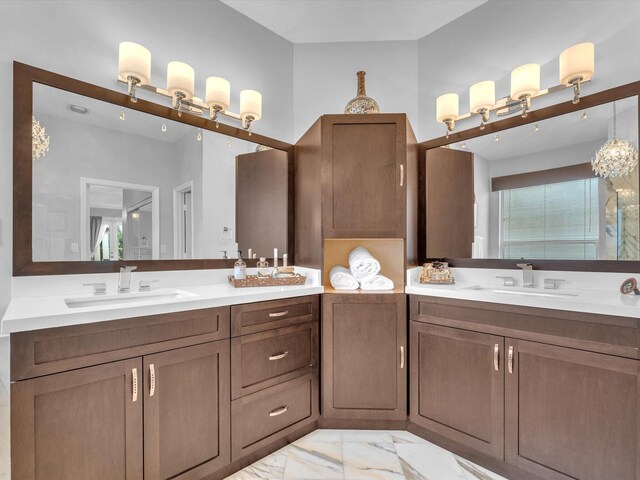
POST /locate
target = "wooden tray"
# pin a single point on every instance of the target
(443, 282)
(255, 281)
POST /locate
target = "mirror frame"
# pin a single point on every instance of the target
(24, 76)
(593, 100)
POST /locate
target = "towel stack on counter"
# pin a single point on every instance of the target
(363, 273)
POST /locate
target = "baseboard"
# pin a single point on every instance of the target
(348, 424)
(498, 466)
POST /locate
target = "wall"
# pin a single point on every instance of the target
(324, 78)
(80, 39)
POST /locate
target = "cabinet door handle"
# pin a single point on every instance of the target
(152, 380)
(510, 359)
(402, 175)
(134, 384)
(496, 357)
(402, 357)
(279, 314)
(278, 411)
(278, 356)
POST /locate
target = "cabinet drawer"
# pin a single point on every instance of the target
(263, 417)
(42, 352)
(261, 316)
(264, 359)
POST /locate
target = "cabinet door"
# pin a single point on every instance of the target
(77, 425)
(363, 356)
(364, 184)
(187, 411)
(572, 414)
(457, 385)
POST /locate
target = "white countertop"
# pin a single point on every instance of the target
(604, 299)
(37, 312)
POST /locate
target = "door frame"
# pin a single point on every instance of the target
(178, 193)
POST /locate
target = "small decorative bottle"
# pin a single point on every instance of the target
(263, 268)
(240, 268)
(361, 103)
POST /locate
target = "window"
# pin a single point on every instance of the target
(554, 221)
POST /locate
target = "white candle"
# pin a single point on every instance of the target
(255, 255)
(275, 257)
(250, 254)
(284, 260)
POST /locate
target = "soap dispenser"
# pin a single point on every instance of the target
(240, 268)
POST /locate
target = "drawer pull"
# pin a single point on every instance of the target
(279, 314)
(278, 356)
(496, 357)
(402, 357)
(510, 359)
(402, 175)
(152, 381)
(278, 411)
(134, 384)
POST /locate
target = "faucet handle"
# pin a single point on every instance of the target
(508, 281)
(553, 283)
(525, 266)
(99, 288)
(128, 268)
(145, 285)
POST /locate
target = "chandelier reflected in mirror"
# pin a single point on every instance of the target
(40, 139)
(616, 158)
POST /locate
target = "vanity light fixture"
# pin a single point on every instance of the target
(576, 66)
(616, 158)
(135, 70)
(496, 138)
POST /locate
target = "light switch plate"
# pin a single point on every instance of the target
(74, 247)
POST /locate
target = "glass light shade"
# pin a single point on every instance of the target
(134, 61)
(181, 79)
(482, 95)
(250, 104)
(525, 81)
(447, 107)
(218, 93)
(577, 61)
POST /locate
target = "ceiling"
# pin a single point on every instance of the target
(319, 21)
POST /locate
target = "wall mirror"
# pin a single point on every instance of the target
(537, 196)
(115, 182)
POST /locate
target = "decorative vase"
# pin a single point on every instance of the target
(361, 103)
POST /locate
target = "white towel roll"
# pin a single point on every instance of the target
(376, 282)
(341, 279)
(362, 264)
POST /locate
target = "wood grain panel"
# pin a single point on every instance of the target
(78, 425)
(572, 414)
(262, 316)
(264, 359)
(186, 421)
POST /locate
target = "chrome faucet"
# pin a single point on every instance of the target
(527, 274)
(124, 282)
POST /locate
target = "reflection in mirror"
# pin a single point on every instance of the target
(118, 184)
(537, 196)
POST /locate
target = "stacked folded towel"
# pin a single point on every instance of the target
(376, 282)
(362, 264)
(363, 272)
(341, 279)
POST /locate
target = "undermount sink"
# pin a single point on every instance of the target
(126, 298)
(528, 292)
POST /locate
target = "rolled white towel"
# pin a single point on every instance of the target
(362, 264)
(376, 282)
(341, 279)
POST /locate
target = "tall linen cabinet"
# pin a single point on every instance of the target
(356, 183)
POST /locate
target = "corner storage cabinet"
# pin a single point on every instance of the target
(364, 357)
(560, 412)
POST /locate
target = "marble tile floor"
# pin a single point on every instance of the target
(363, 455)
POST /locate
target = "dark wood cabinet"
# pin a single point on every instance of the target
(186, 412)
(77, 425)
(356, 177)
(447, 229)
(364, 357)
(572, 414)
(457, 385)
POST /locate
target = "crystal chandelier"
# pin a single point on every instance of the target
(616, 158)
(40, 139)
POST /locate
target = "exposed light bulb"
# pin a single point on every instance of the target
(583, 115)
(199, 135)
(536, 128)
(496, 138)
(164, 127)
(122, 116)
